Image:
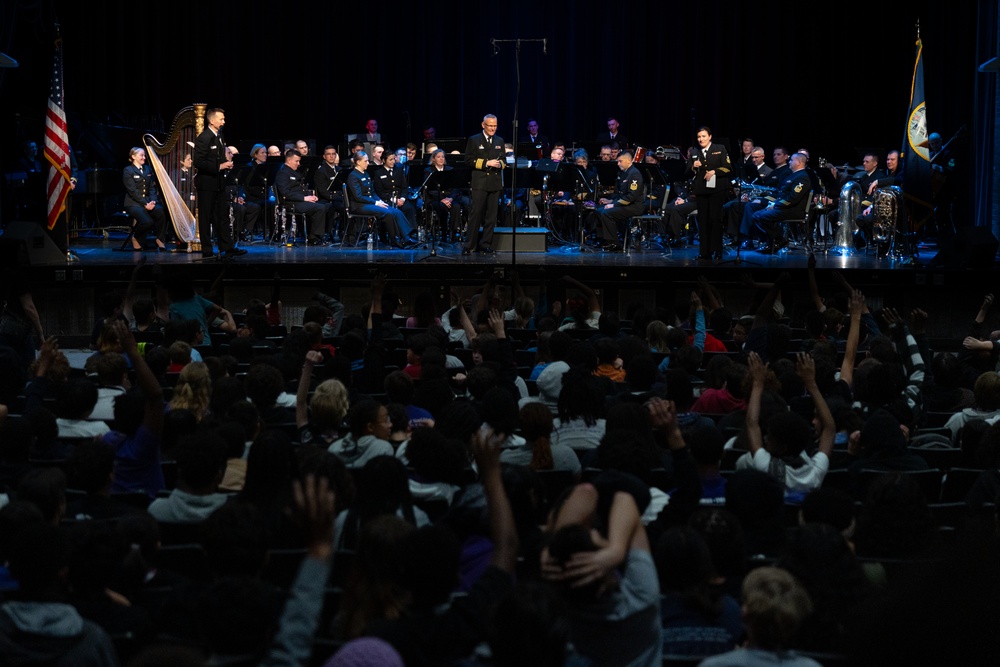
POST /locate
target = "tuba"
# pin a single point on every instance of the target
(885, 213)
(849, 210)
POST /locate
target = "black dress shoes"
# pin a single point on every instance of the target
(612, 247)
(487, 250)
(234, 252)
(466, 251)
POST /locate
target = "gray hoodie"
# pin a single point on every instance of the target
(50, 633)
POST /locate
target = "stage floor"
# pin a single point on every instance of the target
(98, 251)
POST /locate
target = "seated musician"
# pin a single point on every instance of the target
(292, 190)
(411, 152)
(185, 181)
(584, 193)
(273, 151)
(536, 140)
(755, 172)
(893, 174)
(390, 186)
(747, 229)
(676, 212)
(364, 202)
(142, 201)
(628, 202)
(605, 154)
(450, 208)
(353, 148)
(792, 198)
(378, 150)
(868, 180)
(556, 155)
(254, 190)
(244, 212)
(613, 136)
(328, 193)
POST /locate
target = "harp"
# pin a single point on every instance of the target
(166, 158)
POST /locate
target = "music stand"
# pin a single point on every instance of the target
(585, 184)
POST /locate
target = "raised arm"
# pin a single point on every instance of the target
(711, 295)
(313, 357)
(698, 321)
(503, 532)
(813, 287)
(151, 390)
(625, 532)
(977, 329)
(805, 367)
(763, 314)
(485, 301)
(857, 306)
(758, 374)
(332, 327)
(314, 512)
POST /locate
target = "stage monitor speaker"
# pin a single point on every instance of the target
(26, 243)
(976, 247)
(529, 239)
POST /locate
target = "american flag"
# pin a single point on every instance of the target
(56, 143)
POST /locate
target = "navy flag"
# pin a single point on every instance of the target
(916, 149)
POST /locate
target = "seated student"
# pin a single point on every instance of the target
(201, 462)
(697, 619)
(193, 390)
(320, 421)
(774, 606)
(36, 624)
(368, 437)
(139, 429)
(112, 379)
(706, 444)
(783, 453)
(581, 421)
(538, 452)
(180, 356)
(608, 363)
(77, 399)
(608, 582)
(438, 465)
(92, 470)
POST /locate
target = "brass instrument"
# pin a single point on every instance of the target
(668, 153)
(885, 213)
(849, 210)
(751, 191)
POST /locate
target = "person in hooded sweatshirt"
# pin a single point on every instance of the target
(36, 626)
(201, 464)
(369, 436)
